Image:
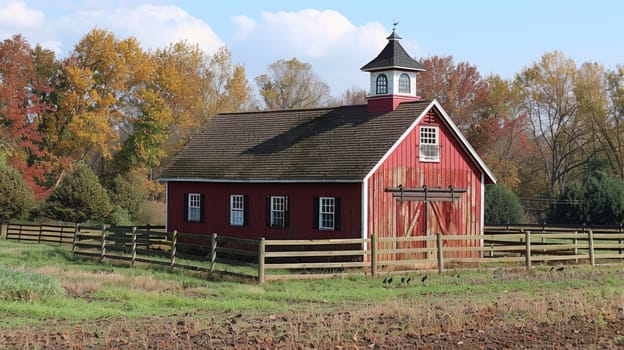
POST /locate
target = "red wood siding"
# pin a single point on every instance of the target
(388, 218)
(300, 202)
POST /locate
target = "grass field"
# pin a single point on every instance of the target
(49, 298)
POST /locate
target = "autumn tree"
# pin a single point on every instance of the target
(458, 87)
(99, 101)
(353, 96)
(196, 87)
(292, 84)
(20, 107)
(608, 118)
(547, 90)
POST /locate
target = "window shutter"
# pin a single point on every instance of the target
(202, 207)
(245, 210)
(337, 214)
(286, 213)
(268, 211)
(315, 213)
(185, 207)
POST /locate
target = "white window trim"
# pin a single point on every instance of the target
(273, 202)
(424, 157)
(193, 203)
(322, 212)
(237, 210)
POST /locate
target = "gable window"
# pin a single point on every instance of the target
(193, 207)
(429, 144)
(382, 84)
(404, 83)
(277, 211)
(327, 213)
(237, 210)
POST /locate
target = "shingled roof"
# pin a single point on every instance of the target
(393, 56)
(316, 145)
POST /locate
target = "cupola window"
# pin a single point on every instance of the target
(382, 84)
(404, 84)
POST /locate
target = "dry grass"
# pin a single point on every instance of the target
(79, 283)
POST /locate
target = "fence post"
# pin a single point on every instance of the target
(174, 242)
(213, 252)
(103, 254)
(261, 260)
(575, 241)
(527, 254)
(440, 257)
(373, 255)
(76, 234)
(40, 229)
(590, 243)
(133, 246)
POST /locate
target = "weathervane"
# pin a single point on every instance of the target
(394, 25)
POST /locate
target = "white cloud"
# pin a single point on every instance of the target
(153, 26)
(246, 26)
(16, 15)
(325, 39)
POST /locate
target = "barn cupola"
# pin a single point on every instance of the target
(392, 76)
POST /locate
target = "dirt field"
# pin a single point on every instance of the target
(483, 329)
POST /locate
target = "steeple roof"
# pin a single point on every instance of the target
(393, 56)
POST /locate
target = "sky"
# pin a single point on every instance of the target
(338, 37)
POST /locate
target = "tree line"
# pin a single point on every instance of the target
(119, 111)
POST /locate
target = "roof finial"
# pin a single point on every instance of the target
(394, 25)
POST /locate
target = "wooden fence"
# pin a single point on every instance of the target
(265, 260)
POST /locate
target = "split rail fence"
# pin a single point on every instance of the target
(265, 260)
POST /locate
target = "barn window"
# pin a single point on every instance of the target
(382, 84)
(404, 84)
(194, 207)
(278, 211)
(429, 144)
(327, 213)
(237, 210)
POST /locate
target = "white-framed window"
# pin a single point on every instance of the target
(237, 210)
(279, 207)
(429, 148)
(404, 84)
(381, 84)
(327, 213)
(193, 207)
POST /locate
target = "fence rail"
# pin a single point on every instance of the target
(265, 260)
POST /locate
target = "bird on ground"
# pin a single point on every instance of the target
(552, 268)
(560, 268)
(402, 279)
(423, 279)
(390, 280)
(385, 280)
(409, 279)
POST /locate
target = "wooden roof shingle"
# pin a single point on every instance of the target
(325, 144)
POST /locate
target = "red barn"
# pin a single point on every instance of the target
(396, 166)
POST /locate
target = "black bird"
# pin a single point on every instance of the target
(409, 279)
(423, 279)
(402, 279)
(560, 268)
(385, 280)
(390, 280)
(552, 268)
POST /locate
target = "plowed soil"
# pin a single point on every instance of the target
(487, 329)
